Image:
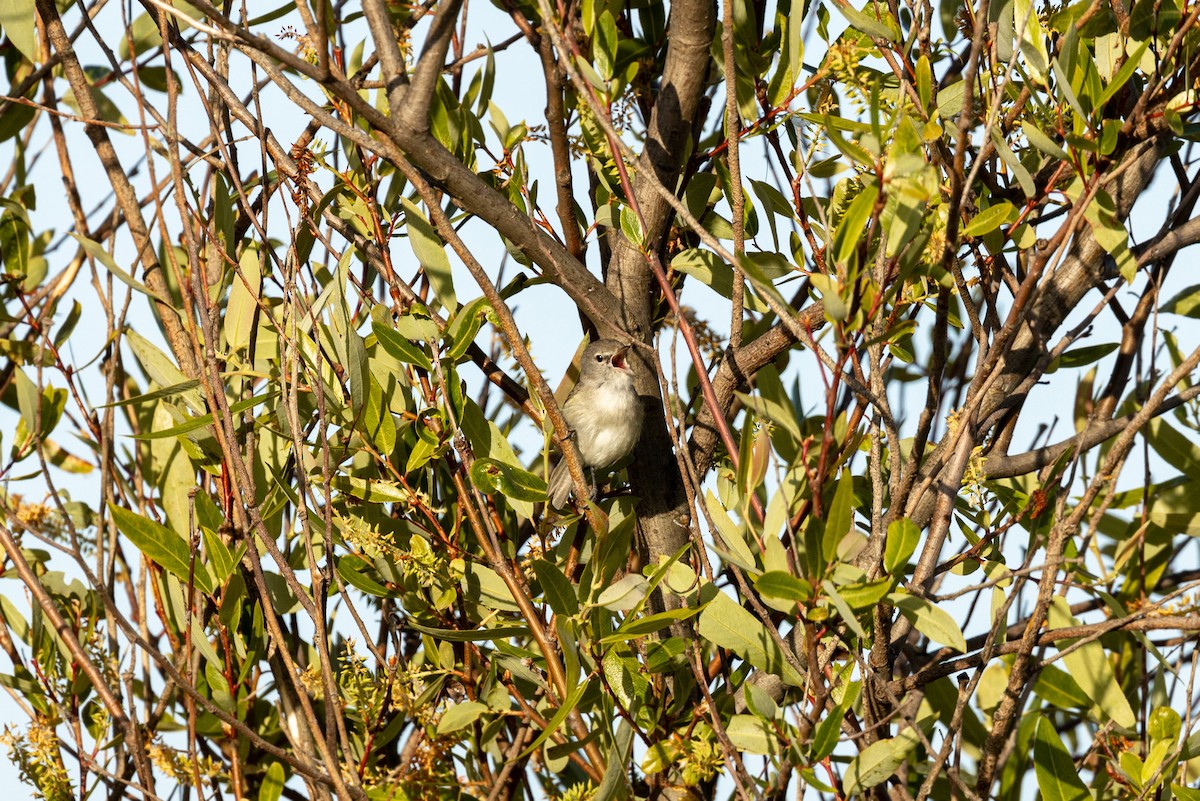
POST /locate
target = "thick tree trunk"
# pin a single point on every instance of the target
(662, 511)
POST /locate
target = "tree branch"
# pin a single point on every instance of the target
(1048, 638)
(126, 197)
(414, 113)
(1048, 307)
(391, 62)
(1093, 435)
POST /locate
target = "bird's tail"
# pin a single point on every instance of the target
(560, 485)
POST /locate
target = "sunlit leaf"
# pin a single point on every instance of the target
(1089, 666)
(431, 253)
(271, 788)
(101, 255)
(162, 546)
(932, 621)
(902, 538)
(1057, 778)
(460, 716)
(878, 761)
(730, 626)
(243, 299)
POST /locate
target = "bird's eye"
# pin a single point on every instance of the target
(599, 357)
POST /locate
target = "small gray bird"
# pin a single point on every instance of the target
(603, 411)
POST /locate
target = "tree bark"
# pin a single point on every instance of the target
(662, 510)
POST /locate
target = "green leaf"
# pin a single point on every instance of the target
(865, 594)
(728, 625)
(161, 545)
(99, 254)
(1081, 357)
(632, 227)
(932, 621)
(1123, 75)
(17, 117)
(60, 458)
(354, 571)
(29, 400)
(460, 716)
(950, 100)
(1187, 302)
(760, 702)
(65, 329)
(835, 123)
(243, 299)
(829, 730)
(924, 81)
(1033, 41)
(853, 227)
(206, 419)
(482, 585)
(165, 392)
(902, 538)
(778, 584)
(795, 41)
(990, 219)
(711, 270)
(753, 735)
(162, 370)
(17, 19)
(498, 120)
(868, 23)
(376, 421)
(1056, 775)
(1092, 671)
(1057, 687)
(731, 536)
(372, 490)
(272, 784)
(155, 77)
(836, 308)
(841, 514)
(851, 149)
(635, 627)
(1014, 165)
(571, 701)
(143, 35)
(400, 348)
(613, 786)
(464, 326)
(1043, 142)
(498, 634)
(1109, 231)
(489, 441)
(1164, 725)
(491, 476)
(556, 587)
(358, 372)
(1064, 87)
(843, 608)
(624, 595)
(878, 761)
(431, 253)
(622, 674)
(224, 562)
(604, 45)
(779, 412)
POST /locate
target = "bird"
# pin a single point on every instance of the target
(603, 412)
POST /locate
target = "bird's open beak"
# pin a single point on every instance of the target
(618, 359)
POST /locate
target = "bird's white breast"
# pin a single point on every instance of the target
(609, 432)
